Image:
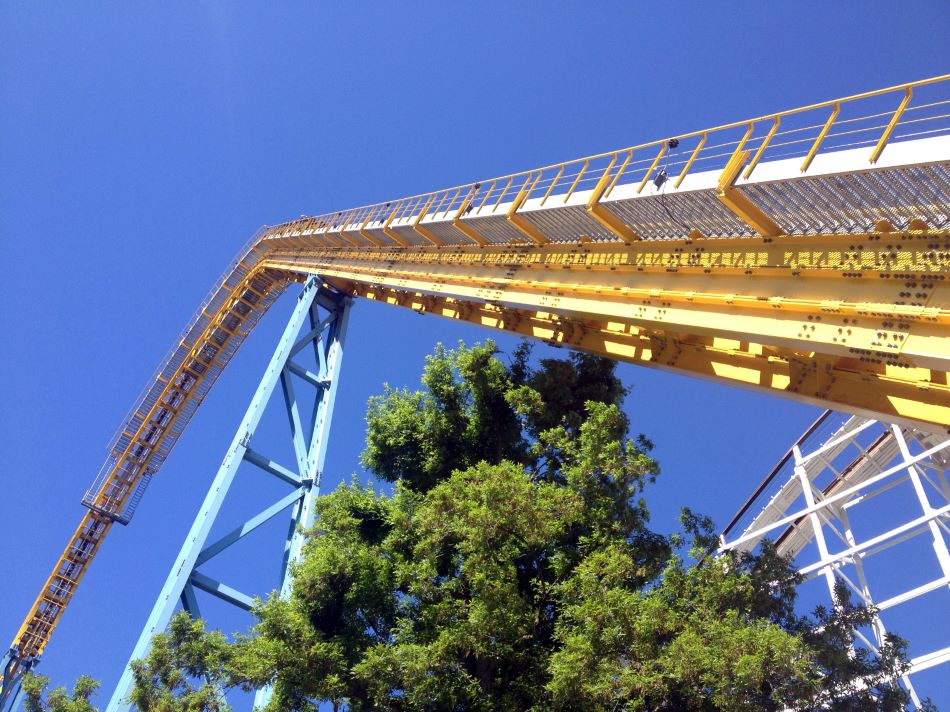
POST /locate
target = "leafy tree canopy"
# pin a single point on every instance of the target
(511, 567)
(37, 697)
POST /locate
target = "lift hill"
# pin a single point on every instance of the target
(803, 253)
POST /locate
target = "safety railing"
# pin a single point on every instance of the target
(870, 120)
(137, 481)
(239, 257)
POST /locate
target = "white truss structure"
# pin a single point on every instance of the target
(867, 504)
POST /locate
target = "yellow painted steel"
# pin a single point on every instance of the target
(560, 172)
(392, 234)
(744, 208)
(155, 423)
(774, 118)
(485, 199)
(423, 231)
(908, 94)
(604, 216)
(620, 172)
(577, 180)
(854, 320)
(811, 309)
(526, 228)
(649, 171)
(344, 221)
(689, 163)
(821, 137)
(758, 154)
(467, 230)
(504, 191)
(812, 377)
(363, 232)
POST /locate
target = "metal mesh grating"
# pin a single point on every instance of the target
(673, 216)
(568, 224)
(497, 229)
(853, 203)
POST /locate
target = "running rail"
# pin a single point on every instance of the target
(803, 253)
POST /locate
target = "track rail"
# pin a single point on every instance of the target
(803, 253)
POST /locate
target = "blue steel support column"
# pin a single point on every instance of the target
(310, 447)
(12, 670)
(302, 518)
(303, 512)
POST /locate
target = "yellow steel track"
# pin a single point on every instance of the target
(803, 253)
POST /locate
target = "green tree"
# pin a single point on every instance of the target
(38, 697)
(512, 567)
(473, 408)
(184, 669)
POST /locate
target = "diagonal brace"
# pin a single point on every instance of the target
(293, 414)
(312, 335)
(222, 591)
(309, 376)
(250, 525)
(274, 468)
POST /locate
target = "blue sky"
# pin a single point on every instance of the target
(141, 144)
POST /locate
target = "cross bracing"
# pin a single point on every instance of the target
(802, 253)
(837, 506)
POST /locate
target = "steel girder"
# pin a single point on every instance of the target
(323, 314)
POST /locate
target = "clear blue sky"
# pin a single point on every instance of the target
(142, 143)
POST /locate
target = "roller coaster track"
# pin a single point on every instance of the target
(803, 253)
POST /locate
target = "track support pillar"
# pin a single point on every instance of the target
(12, 670)
(327, 312)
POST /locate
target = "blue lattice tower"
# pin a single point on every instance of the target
(323, 314)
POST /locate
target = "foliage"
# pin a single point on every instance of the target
(57, 700)
(512, 567)
(722, 636)
(183, 671)
(474, 409)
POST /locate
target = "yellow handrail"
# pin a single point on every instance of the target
(775, 118)
(821, 137)
(758, 154)
(578, 179)
(689, 163)
(908, 92)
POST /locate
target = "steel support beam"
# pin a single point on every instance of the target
(825, 320)
(882, 392)
(827, 480)
(12, 669)
(326, 335)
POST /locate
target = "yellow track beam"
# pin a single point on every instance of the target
(145, 442)
(841, 298)
(803, 376)
(859, 322)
